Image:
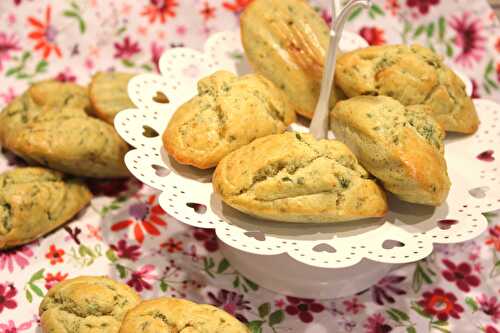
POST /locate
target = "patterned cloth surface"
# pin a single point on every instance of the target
(126, 235)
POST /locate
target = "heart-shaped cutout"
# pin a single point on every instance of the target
(258, 235)
(160, 171)
(197, 207)
(486, 156)
(149, 132)
(391, 243)
(323, 247)
(479, 192)
(446, 224)
(161, 98)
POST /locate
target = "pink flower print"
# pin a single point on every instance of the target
(11, 327)
(490, 306)
(126, 49)
(18, 256)
(231, 302)
(327, 16)
(376, 323)
(303, 307)
(156, 52)
(8, 96)
(461, 275)
(353, 306)
(123, 250)
(388, 285)
(66, 76)
(469, 38)
(141, 279)
(181, 30)
(8, 44)
(422, 5)
(7, 294)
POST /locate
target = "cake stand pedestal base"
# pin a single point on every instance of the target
(285, 275)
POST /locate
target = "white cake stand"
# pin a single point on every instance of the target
(326, 261)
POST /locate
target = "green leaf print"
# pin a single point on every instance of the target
(36, 289)
(441, 27)
(393, 316)
(252, 285)
(264, 310)
(400, 314)
(163, 286)
(276, 317)
(355, 13)
(75, 14)
(419, 31)
(420, 276)
(110, 254)
(415, 307)
(471, 303)
(37, 276)
(377, 10)
(430, 29)
(223, 265)
(255, 326)
(20, 70)
(122, 271)
(411, 329)
(489, 82)
(31, 288)
(29, 297)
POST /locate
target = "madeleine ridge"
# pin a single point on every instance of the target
(292, 177)
(286, 41)
(228, 112)
(412, 75)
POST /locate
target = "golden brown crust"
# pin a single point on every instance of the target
(286, 41)
(55, 94)
(60, 134)
(35, 201)
(412, 75)
(292, 177)
(228, 112)
(86, 304)
(178, 315)
(402, 147)
(108, 94)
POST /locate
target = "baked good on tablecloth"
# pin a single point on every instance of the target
(401, 146)
(179, 315)
(228, 112)
(86, 304)
(286, 41)
(412, 75)
(34, 201)
(59, 133)
(292, 177)
(108, 94)
(52, 93)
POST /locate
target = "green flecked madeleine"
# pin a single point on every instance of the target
(412, 75)
(172, 315)
(292, 177)
(401, 146)
(286, 41)
(228, 112)
(86, 304)
(35, 201)
(59, 133)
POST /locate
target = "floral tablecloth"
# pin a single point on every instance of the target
(126, 235)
